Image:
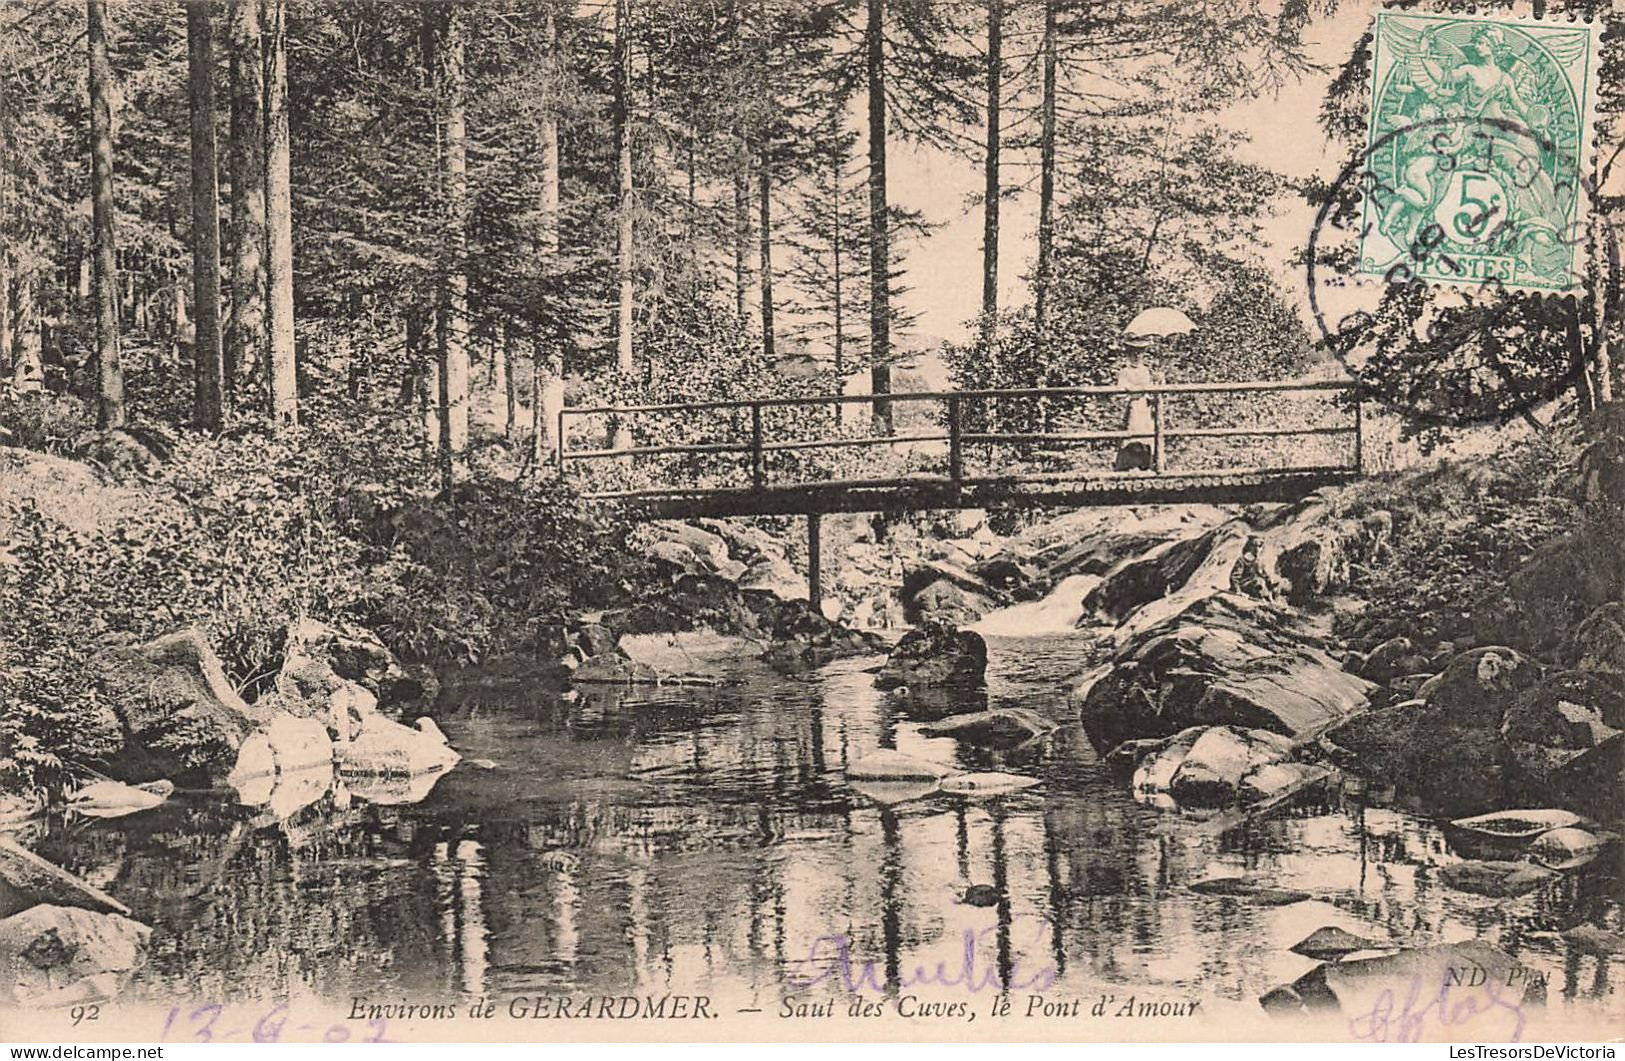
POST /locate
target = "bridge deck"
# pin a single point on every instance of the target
(924, 492)
(1314, 445)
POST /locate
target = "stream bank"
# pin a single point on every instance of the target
(1200, 680)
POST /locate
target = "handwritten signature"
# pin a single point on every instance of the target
(203, 1025)
(1451, 1006)
(968, 969)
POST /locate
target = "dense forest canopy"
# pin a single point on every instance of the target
(448, 207)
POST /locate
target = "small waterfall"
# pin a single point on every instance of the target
(1058, 613)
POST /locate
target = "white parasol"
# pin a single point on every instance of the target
(1158, 322)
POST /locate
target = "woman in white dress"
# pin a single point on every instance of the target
(1135, 453)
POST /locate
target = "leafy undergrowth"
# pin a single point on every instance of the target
(1495, 549)
(244, 534)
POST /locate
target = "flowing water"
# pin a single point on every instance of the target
(706, 840)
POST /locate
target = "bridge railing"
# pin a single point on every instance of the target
(1190, 427)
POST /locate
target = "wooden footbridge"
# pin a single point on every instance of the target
(1206, 443)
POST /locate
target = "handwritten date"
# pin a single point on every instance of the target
(207, 1024)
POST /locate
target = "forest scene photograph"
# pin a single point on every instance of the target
(1095, 520)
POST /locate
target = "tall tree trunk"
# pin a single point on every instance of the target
(245, 322)
(690, 218)
(209, 381)
(623, 153)
(284, 373)
(879, 220)
(109, 374)
(542, 369)
(504, 366)
(549, 162)
(741, 228)
(6, 363)
(990, 174)
(538, 423)
(28, 371)
(1606, 303)
(410, 338)
(546, 398)
(837, 241)
(451, 337)
(1046, 177)
(764, 193)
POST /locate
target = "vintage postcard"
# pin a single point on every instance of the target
(811, 520)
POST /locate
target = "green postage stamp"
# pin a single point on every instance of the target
(1478, 151)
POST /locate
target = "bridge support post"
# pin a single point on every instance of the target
(1158, 443)
(815, 560)
(758, 460)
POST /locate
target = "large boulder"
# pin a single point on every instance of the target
(1215, 766)
(1445, 749)
(389, 748)
(1011, 574)
(354, 653)
(1566, 579)
(1374, 743)
(685, 548)
(1093, 541)
(935, 654)
(1566, 736)
(128, 451)
(27, 880)
(1440, 765)
(946, 592)
(1303, 552)
(1390, 659)
(1224, 659)
(945, 601)
(1478, 684)
(1135, 583)
(1599, 640)
(1414, 995)
(801, 637)
(1212, 771)
(773, 573)
(181, 717)
(1154, 762)
(1498, 880)
(613, 667)
(309, 687)
(285, 744)
(59, 955)
(1278, 781)
(888, 764)
(1005, 727)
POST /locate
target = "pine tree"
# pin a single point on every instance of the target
(245, 325)
(109, 374)
(284, 380)
(992, 191)
(625, 201)
(207, 367)
(451, 315)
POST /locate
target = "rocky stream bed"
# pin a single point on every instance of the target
(1199, 694)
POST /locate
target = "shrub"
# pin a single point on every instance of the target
(43, 421)
(1462, 531)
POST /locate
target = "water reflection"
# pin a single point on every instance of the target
(697, 839)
